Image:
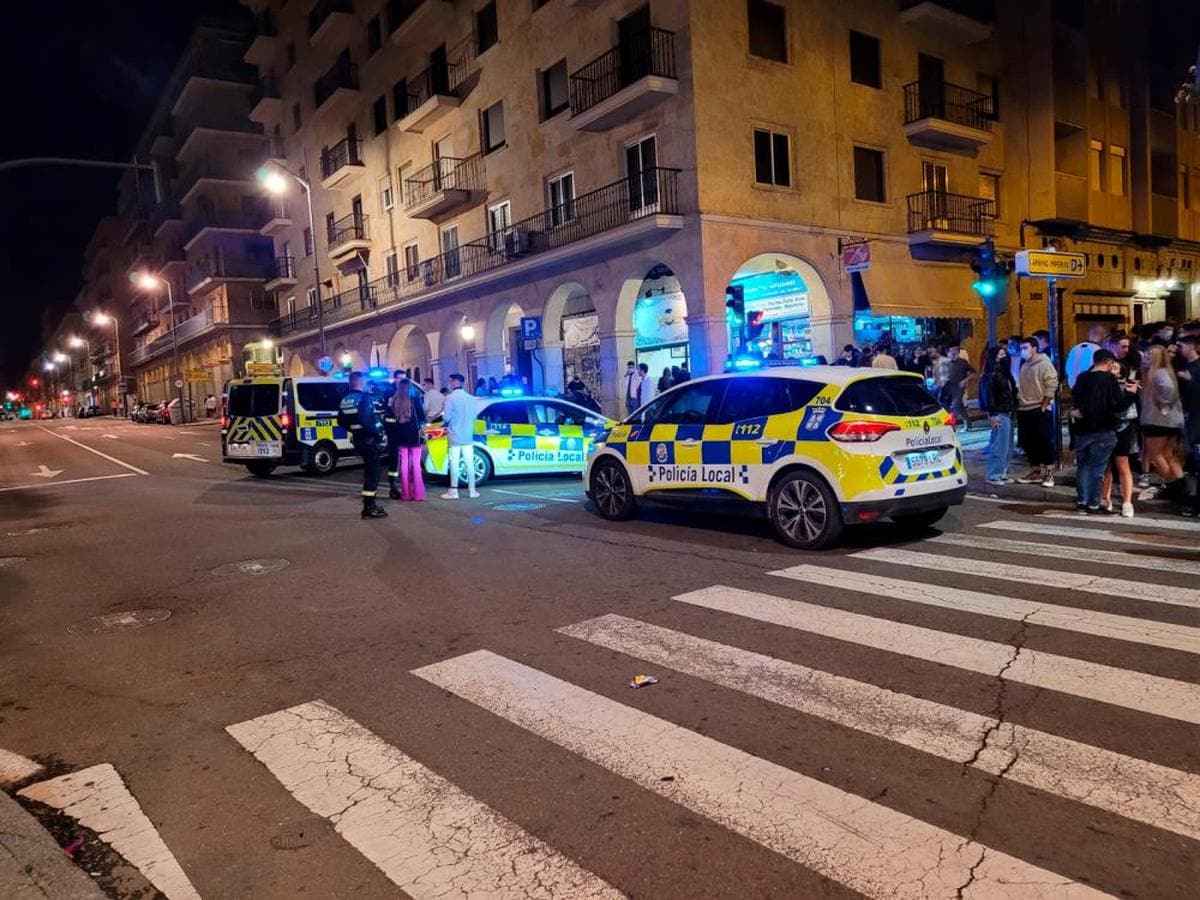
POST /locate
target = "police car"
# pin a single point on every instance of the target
(270, 421)
(814, 449)
(522, 436)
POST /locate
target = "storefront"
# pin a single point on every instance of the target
(660, 331)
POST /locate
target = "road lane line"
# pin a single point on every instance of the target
(1122, 588)
(863, 845)
(1133, 788)
(1083, 621)
(14, 767)
(1190, 525)
(113, 459)
(98, 799)
(534, 496)
(1145, 540)
(50, 484)
(1093, 681)
(430, 838)
(1074, 553)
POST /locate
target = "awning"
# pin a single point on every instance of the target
(923, 290)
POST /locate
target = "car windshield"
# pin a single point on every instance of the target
(253, 400)
(888, 395)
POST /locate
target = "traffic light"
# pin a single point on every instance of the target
(754, 325)
(991, 275)
(735, 308)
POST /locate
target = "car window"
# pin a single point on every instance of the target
(318, 396)
(563, 414)
(692, 405)
(758, 397)
(889, 395)
(512, 412)
(253, 400)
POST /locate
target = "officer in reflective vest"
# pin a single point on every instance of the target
(359, 414)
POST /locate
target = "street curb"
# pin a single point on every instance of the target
(32, 865)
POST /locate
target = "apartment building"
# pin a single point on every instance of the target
(100, 306)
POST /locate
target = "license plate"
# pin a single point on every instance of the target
(256, 449)
(926, 459)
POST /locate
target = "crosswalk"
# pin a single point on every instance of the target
(431, 838)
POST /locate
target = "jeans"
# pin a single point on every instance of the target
(1093, 452)
(462, 454)
(1000, 448)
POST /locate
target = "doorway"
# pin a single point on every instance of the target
(641, 161)
(633, 41)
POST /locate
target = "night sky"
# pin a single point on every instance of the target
(77, 78)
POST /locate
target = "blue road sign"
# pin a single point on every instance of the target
(531, 327)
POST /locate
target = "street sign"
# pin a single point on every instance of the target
(1051, 264)
(531, 327)
(325, 364)
(260, 368)
(856, 257)
(178, 382)
(197, 375)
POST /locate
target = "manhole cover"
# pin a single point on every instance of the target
(251, 567)
(297, 833)
(126, 620)
(6, 561)
(517, 507)
(26, 531)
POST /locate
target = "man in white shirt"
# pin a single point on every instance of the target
(1079, 359)
(434, 401)
(646, 387)
(631, 385)
(459, 418)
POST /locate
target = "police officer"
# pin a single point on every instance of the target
(359, 414)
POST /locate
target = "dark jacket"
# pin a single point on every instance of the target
(405, 434)
(1100, 399)
(359, 414)
(998, 391)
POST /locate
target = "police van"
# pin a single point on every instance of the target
(271, 421)
(814, 449)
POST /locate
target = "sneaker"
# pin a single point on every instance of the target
(1106, 506)
(1095, 510)
(1143, 481)
(1080, 506)
(1033, 476)
(474, 495)
(999, 482)
(1189, 513)
(374, 512)
(1048, 481)
(451, 494)
(1126, 510)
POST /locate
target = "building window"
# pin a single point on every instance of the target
(291, 55)
(290, 306)
(1095, 165)
(499, 218)
(412, 261)
(400, 99)
(374, 35)
(493, 127)
(404, 173)
(311, 296)
(555, 96)
(296, 121)
(379, 114)
(487, 27)
(865, 65)
(1185, 188)
(772, 159)
(392, 264)
(868, 175)
(329, 220)
(386, 199)
(1117, 173)
(561, 191)
(308, 242)
(989, 189)
(768, 30)
(989, 87)
(451, 262)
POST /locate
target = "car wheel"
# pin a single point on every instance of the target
(260, 469)
(612, 491)
(484, 470)
(323, 459)
(805, 512)
(922, 520)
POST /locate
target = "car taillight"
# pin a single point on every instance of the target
(432, 432)
(951, 420)
(856, 431)
(285, 420)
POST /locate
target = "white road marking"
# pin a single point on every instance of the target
(1133, 788)
(534, 496)
(111, 437)
(1122, 588)
(46, 484)
(14, 767)
(24, 444)
(112, 459)
(1104, 536)
(1008, 500)
(1093, 681)
(1074, 553)
(1180, 524)
(867, 847)
(98, 799)
(1084, 621)
(427, 836)
(191, 456)
(44, 472)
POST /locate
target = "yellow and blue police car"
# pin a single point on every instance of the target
(522, 436)
(268, 422)
(814, 449)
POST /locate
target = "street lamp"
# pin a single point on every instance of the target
(148, 282)
(274, 179)
(103, 319)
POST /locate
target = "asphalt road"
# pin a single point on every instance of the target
(437, 704)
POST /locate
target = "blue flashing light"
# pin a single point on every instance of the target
(743, 363)
(512, 392)
(807, 361)
(378, 374)
(340, 375)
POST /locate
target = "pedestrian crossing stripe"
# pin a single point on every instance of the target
(1145, 539)
(1077, 553)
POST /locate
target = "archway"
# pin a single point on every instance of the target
(409, 349)
(296, 366)
(504, 350)
(570, 340)
(659, 318)
(781, 294)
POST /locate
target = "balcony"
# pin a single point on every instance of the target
(1070, 197)
(215, 129)
(164, 216)
(265, 46)
(207, 272)
(337, 89)
(935, 217)
(1164, 215)
(409, 18)
(331, 22)
(239, 222)
(634, 211)
(200, 324)
(967, 21)
(624, 82)
(347, 236)
(266, 105)
(448, 184)
(278, 217)
(142, 324)
(946, 116)
(341, 163)
(282, 273)
(204, 175)
(439, 89)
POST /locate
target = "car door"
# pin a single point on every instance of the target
(506, 432)
(566, 431)
(673, 432)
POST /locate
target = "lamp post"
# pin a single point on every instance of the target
(50, 383)
(148, 282)
(274, 179)
(75, 342)
(102, 319)
(60, 358)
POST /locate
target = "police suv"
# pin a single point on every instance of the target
(814, 449)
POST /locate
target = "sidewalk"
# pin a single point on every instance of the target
(32, 865)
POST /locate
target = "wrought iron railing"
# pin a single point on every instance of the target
(222, 266)
(247, 219)
(654, 191)
(444, 79)
(345, 152)
(283, 267)
(348, 228)
(446, 174)
(650, 53)
(948, 102)
(323, 10)
(955, 213)
(343, 74)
